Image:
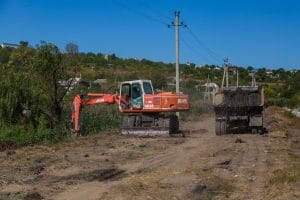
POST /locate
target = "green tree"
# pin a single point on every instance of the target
(15, 77)
(49, 70)
(250, 68)
(261, 74)
(5, 54)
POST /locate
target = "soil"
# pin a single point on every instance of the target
(200, 165)
(7, 145)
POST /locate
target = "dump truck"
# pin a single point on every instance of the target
(239, 108)
(144, 111)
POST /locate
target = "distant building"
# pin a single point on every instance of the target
(217, 68)
(137, 59)
(269, 72)
(100, 81)
(9, 45)
(293, 71)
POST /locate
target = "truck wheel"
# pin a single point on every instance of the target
(174, 124)
(220, 127)
(224, 127)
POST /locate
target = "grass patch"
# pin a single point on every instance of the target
(284, 181)
(286, 175)
(94, 119)
(26, 136)
(97, 118)
(213, 187)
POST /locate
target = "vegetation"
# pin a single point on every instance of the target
(34, 107)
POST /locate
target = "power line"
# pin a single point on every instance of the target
(162, 15)
(195, 51)
(139, 13)
(212, 54)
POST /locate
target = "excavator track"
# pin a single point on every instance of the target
(150, 125)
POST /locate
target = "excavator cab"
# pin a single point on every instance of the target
(133, 94)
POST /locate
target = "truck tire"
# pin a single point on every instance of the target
(220, 127)
(223, 127)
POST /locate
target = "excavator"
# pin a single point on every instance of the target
(145, 113)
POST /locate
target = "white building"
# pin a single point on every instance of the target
(9, 45)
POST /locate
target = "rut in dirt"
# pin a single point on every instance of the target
(97, 175)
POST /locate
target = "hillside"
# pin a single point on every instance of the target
(35, 108)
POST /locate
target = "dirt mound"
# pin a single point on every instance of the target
(7, 145)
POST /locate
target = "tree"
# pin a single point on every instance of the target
(250, 68)
(261, 74)
(72, 49)
(5, 54)
(21, 57)
(15, 77)
(71, 59)
(49, 70)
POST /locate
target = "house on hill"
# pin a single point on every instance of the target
(3, 45)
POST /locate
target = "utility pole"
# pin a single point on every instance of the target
(237, 78)
(225, 73)
(177, 24)
(177, 49)
(253, 84)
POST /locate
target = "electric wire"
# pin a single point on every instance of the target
(162, 15)
(195, 51)
(212, 54)
(213, 57)
(149, 17)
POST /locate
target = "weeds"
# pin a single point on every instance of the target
(23, 135)
(287, 175)
(99, 118)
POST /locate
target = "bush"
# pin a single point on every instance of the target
(98, 118)
(24, 135)
(281, 102)
(294, 102)
(270, 92)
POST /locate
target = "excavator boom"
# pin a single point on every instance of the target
(78, 103)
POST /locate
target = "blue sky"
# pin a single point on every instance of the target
(260, 33)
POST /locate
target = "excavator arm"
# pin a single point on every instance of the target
(79, 103)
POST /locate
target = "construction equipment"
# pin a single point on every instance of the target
(144, 112)
(238, 107)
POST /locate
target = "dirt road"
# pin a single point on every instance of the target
(198, 166)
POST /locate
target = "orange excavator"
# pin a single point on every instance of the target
(144, 112)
